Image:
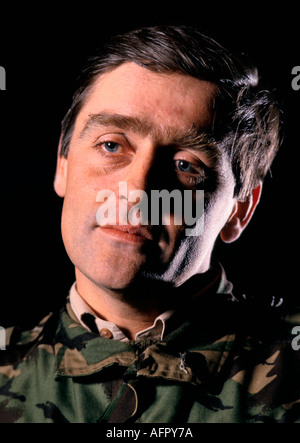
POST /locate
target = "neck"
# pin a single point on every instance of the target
(136, 309)
(132, 311)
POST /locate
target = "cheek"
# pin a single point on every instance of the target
(175, 232)
(217, 212)
(220, 203)
(80, 199)
(82, 179)
(88, 173)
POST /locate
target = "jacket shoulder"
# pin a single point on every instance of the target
(19, 341)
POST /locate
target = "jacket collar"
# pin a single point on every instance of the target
(179, 357)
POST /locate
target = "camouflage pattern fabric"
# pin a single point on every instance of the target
(225, 361)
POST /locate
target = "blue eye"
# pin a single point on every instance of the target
(110, 146)
(184, 166)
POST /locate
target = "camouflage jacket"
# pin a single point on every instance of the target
(226, 360)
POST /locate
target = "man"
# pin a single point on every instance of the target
(152, 331)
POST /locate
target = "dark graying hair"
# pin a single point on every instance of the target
(246, 118)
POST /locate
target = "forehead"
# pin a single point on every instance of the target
(165, 101)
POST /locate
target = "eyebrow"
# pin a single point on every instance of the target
(124, 122)
(192, 138)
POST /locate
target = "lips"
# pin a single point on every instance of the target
(136, 234)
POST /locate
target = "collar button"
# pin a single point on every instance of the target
(106, 333)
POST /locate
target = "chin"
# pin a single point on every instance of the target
(113, 279)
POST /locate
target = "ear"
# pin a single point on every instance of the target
(60, 181)
(240, 216)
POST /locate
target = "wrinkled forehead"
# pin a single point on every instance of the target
(159, 100)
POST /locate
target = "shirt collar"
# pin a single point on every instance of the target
(183, 355)
(213, 280)
(111, 330)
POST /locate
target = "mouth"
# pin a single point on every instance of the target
(128, 233)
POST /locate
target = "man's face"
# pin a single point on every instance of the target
(136, 128)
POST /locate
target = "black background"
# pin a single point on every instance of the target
(42, 48)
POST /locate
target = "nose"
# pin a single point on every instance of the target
(150, 170)
(137, 181)
(143, 172)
